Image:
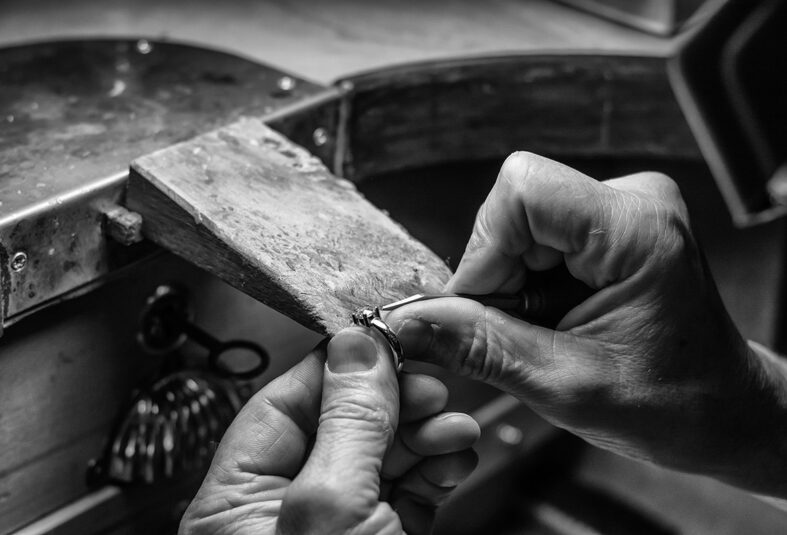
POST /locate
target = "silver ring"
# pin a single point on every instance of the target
(370, 317)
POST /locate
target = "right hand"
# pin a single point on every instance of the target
(650, 366)
(327, 448)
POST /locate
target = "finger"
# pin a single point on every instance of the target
(417, 496)
(420, 396)
(449, 470)
(398, 460)
(432, 480)
(655, 186)
(534, 201)
(417, 518)
(537, 201)
(445, 433)
(439, 435)
(340, 481)
(270, 434)
(484, 343)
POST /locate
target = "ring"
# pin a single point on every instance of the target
(370, 317)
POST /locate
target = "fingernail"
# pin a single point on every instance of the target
(450, 416)
(348, 353)
(415, 336)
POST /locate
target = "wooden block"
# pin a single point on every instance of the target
(260, 212)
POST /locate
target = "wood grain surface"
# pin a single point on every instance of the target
(262, 213)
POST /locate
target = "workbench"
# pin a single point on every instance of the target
(320, 43)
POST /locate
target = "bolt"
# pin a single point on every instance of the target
(144, 46)
(285, 84)
(320, 137)
(19, 261)
(510, 435)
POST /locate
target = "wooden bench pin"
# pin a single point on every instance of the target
(255, 209)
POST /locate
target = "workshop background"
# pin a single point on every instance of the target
(416, 102)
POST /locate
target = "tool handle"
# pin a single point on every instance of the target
(549, 295)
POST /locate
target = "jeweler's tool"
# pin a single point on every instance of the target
(545, 299)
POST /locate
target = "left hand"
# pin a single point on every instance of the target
(266, 479)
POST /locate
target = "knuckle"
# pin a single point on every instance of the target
(474, 354)
(657, 224)
(517, 171)
(359, 411)
(666, 191)
(667, 185)
(518, 163)
(673, 237)
(484, 354)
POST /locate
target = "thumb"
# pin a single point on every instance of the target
(339, 486)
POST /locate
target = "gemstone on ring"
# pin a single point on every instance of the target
(364, 316)
(370, 317)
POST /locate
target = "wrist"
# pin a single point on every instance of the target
(751, 425)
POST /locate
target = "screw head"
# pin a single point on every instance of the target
(320, 136)
(285, 84)
(19, 261)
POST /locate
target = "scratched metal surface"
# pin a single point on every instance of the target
(72, 117)
(71, 112)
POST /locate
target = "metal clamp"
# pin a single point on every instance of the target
(370, 317)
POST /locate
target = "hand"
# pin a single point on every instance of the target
(267, 477)
(650, 366)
